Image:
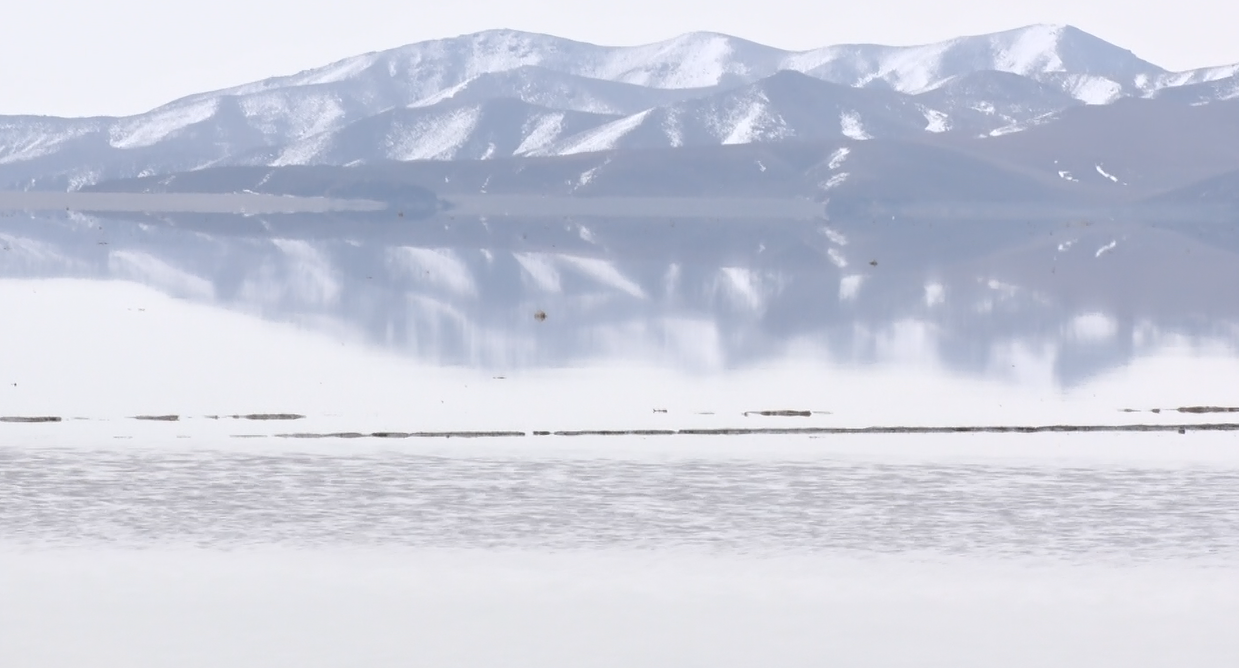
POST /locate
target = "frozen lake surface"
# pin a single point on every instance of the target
(222, 443)
(514, 499)
(972, 550)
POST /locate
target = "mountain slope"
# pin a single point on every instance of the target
(984, 101)
(449, 130)
(1214, 90)
(1140, 159)
(785, 106)
(558, 90)
(1141, 146)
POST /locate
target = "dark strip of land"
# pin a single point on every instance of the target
(795, 431)
(721, 431)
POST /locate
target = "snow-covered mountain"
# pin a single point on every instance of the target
(504, 93)
(786, 105)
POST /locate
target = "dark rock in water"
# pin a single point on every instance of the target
(269, 416)
(539, 315)
(158, 418)
(30, 419)
(783, 413)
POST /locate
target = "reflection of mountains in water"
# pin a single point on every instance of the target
(1089, 295)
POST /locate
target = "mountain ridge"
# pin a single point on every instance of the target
(700, 87)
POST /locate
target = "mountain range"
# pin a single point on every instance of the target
(513, 98)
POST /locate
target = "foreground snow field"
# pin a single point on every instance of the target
(884, 551)
(244, 608)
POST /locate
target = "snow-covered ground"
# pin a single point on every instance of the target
(484, 608)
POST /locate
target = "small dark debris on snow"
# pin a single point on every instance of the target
(779, 413)
(269, 416)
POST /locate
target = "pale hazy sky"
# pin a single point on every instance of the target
(84, 57)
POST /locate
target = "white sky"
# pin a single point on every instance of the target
(84, 57)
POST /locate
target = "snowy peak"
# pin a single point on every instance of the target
(1029, 51)
(694, 60)
(1063, 56)
(1076, 51)
(1044, 49)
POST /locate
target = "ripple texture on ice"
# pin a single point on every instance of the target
(65, 497)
